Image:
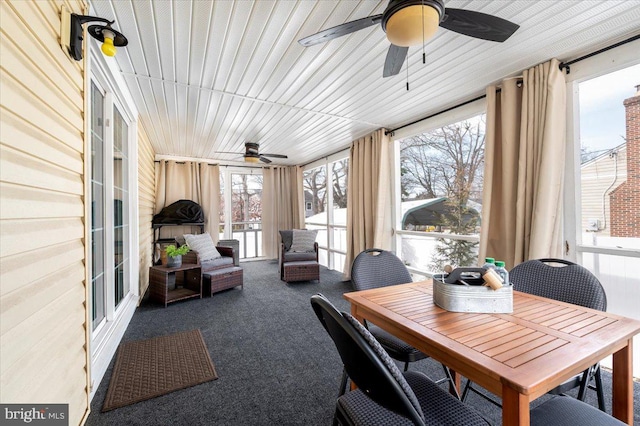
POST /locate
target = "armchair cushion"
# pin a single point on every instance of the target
(303, 241)
(209, 265)
(290, 256)
(223, 262)
(203, 244)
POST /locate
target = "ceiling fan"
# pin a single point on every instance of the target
(412, 22)
(251, 154)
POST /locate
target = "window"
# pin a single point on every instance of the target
(98, 299)
(120, 205)
(110, 212)
(221, 200)
(608, 160)
(241, 210)
(331, 223)
(338, 219)
(315, 193)
(441, 195)
(602, 224)
(608, 225)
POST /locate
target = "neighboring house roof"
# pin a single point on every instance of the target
(433, 211)
(308, 196)
(416, 212)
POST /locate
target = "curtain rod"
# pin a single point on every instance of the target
(567, 65)
(184, 162)
(216, 164)
(245, 167)
(562, 66)
(327, 155)
(390, 132)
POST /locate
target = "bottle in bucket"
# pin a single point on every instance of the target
(502, 271)
(489, 262)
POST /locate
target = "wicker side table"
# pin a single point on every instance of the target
(168, 285)
(301, 271)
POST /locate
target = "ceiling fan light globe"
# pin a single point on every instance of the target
(405, 28)
(248, 159)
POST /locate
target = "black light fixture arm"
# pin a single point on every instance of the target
(76, 36)
(96, 31)
(83, 19)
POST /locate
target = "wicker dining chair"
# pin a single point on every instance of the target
(374, 268)
(385, 395)
(570, 283)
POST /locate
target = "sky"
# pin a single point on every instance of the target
(602, 117)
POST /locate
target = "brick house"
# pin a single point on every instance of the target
(625, 199)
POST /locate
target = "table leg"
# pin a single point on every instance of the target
(623, 384)
(515, 407)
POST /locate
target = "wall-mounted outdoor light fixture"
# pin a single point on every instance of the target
(71, 34)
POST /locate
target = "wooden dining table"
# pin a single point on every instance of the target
(518, 356)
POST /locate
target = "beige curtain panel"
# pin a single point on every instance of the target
(198, 182)
(369, 196)
(282, 205)
(524, 167)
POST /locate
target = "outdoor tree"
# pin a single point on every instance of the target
(315, 181)
(447, 162)
(246, 198)
(340, 172)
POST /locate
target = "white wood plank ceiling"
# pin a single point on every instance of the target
(208, 76)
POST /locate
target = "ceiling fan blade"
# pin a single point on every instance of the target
(340, 30)
(274, 155)
(395, 58)
(264, 159)
(478, 25)
(227, 152)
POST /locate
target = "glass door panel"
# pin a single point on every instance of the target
(120, 206)
(246, 212)
(98, 301)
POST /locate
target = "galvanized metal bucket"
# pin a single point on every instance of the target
(450, 294)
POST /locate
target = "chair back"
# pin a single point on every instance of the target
(366, 362)
(375, 268)
(570, 283)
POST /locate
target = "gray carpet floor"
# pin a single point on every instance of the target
(276, 364)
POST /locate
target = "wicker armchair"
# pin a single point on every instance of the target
(297, 266)
(217, 274)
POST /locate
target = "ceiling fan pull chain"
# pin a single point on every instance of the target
(407, 70)
(424, 55)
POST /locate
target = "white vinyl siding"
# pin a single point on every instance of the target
(596, 177)
(146, 205)
(43, 324)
